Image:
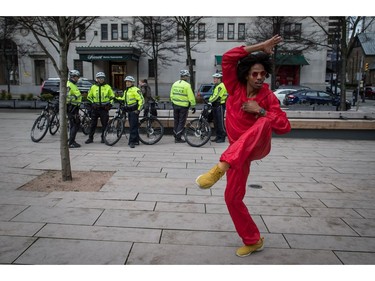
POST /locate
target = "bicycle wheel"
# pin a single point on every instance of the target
(150, 130)
(39, 128)
(86, 124)
(197, 132)
(54, 124)
(114, 131)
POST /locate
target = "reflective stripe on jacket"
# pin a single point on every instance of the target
(74, 95)
(100, 94)
(219, 94)
(132, 96)
(181, 94)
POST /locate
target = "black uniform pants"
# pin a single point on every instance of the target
(133, 127)
(103, 114)
(180, 115)
(74, 122)
(218, 113)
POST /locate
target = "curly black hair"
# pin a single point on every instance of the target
(247, 62)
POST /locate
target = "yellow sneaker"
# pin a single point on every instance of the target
(245, 251)
(210, 178)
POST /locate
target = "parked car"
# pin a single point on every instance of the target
(296, 87)
(280, 94)
(205, 91)
(310, 97)
(52, 86)
(370, 92)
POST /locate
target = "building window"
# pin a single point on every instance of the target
(201, 31)
(148, 32)
(40, 71)
(192, 61)
(124, 31)
(220, 31)
(292, 31)
(180, 32)
(297, 31)
(241, 31)
(82, 32)
(151, 72)
(114, 32)
(78, 65)
(230, 31)
(158, 31)
(104, 31)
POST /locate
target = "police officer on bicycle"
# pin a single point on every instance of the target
(73, 100)
(101, 98)
(134, 101)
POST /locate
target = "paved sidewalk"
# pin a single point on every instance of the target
(316, 205)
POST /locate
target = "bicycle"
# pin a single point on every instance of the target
(150, 128)
(47, 120)
(85, 117)
(198, 131)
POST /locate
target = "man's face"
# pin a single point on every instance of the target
(100, 80)
(256, 76)
(216, 80)
(128, 84)
(75, 78)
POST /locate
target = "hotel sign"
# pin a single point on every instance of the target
(106, 57)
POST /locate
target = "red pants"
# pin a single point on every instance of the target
(254, 144)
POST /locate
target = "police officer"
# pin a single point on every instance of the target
(217, 99)
(101, 98)
(73, 100)
(182, 98)
(134, 101)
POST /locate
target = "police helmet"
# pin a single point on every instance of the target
(129, 78)
(100, 75)
(185, 72)
(74, 72)
(217, 75)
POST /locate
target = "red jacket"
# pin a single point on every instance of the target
(237, 120)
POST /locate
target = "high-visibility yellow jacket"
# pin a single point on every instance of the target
(101, 94)
(219, 94)
(181, 94)
(74, 95)
(133, 96)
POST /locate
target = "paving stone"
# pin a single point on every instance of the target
(162, 254)
(332, 213)
(365, 227)
(302, 225)
(356, 258)
(7, 212)
(47, 251)
(19, 228)
(102, 233)
(59, 215)
(11, 247)
(168, 220)
(324, 242)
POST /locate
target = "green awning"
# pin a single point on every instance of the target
(108, 53)
(218, 60)
(290, 60)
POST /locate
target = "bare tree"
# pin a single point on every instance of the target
(54, 35)
(295, 41)
(344, 42)
(190, 30)
(154, 36)
(8, 48)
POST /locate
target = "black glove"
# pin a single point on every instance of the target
(193, 110)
